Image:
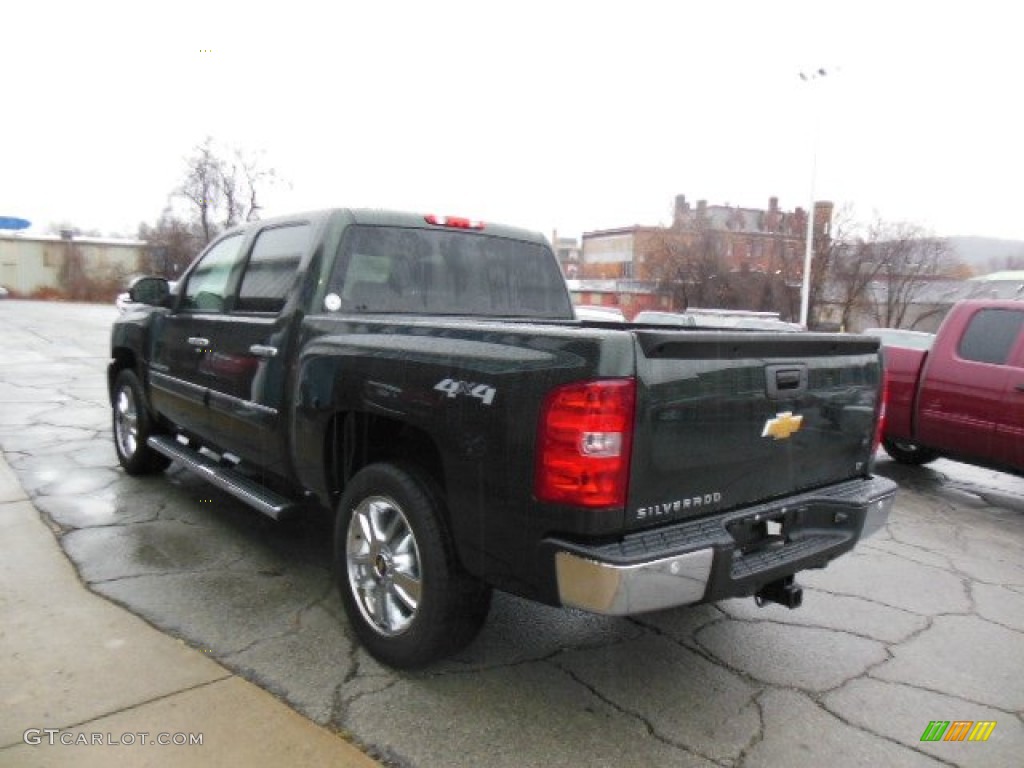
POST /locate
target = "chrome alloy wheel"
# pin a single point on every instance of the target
(126, 422)
(383, 565)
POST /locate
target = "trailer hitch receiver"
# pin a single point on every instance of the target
(784, 592)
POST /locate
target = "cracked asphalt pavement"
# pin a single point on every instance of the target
(924, 621)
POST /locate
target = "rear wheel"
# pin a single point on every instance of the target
(133, 426)
(407, 598)
(906, 452)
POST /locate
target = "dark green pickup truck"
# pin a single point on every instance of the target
(424, 380)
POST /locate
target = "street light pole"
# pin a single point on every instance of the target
(805, 288)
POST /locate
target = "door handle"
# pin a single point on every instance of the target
(262, 350)
(199, 341)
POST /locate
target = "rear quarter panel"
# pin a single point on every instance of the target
(903, 370)
(428, 373)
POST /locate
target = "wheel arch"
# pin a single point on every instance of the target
(355, 439)
(121, 358)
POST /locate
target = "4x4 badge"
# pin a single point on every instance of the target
(782, 426)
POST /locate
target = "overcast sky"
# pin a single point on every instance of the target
(549, 115)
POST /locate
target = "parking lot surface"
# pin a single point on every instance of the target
(923, 622)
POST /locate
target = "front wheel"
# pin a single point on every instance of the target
(906, 452)
(406, 596)
(132, 427)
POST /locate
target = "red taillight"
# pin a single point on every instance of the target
(456, 222)
(585, 440)
(880, 426)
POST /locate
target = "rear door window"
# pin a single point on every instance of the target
(990, 336)
(272, 268)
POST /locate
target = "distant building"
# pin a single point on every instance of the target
(1005, 276)
(755, 254)
(757, 239)
(629, 296)
(568, 252)
(68, 265)
(929, 303)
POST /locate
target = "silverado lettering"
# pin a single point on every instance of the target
(424, 382)
(674, 507)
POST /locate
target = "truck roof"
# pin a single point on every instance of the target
(383, 217)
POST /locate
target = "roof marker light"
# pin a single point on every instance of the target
(455, 222)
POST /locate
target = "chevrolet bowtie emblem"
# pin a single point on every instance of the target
(782, 426)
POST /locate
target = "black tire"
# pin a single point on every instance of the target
(906, 452)
(132, 426)
(407, 598)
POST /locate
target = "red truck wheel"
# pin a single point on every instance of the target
(407, 599)
(906, 452)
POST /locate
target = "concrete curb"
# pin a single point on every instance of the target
(85, 683)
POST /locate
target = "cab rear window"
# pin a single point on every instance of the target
(410, 270)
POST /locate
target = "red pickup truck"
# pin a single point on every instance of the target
(964, 397)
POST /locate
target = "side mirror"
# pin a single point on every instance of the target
(150, 290)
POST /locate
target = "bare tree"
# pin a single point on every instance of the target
(902, 260)
(71, 276)
(202, 187)
(172, 243)
(689, 261)
(853, 271)
(844, 269)
(233, 194)
(242, 177)
(223, 187)
(880, 270)
(255, 177)
(834, 278)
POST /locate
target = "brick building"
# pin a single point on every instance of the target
(745, 249)
(567, 250)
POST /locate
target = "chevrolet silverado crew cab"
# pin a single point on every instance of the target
(424, 380)
(962, 396)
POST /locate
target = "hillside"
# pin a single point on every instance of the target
(988, 254)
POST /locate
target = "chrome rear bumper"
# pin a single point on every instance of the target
(623, 590)
(700, 561)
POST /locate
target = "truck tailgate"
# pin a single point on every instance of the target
(726, 420)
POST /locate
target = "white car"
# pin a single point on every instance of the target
(124, 302)
(655, 317)
(898, 337)
(595, 312)
(727, 319)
